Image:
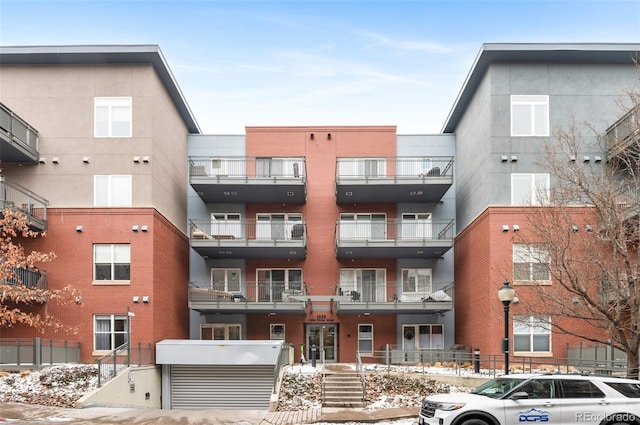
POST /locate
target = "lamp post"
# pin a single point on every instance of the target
(506, 294)
(130, 314)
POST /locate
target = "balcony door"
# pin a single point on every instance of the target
(416, 226)
(279, 167)
(362, 167)
(277, 226)
(275, 284)
(364, 285)
(226, 224)
(363, 226)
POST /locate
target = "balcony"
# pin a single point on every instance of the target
(623, 138)
(18, 140)
(252, 297)
(387, 297)
(20, 199)
(248, 179)
(391, 238)
(400, 179)
(31, 279)
(249, 239)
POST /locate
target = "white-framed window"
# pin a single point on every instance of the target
(531, 334)
(279, 167)
(227, 280)
(417, 337)
(228, 225)
(363, 226)
(221, 331)
(112, 117)
(365, 339)
(416, 283)
(111, 262)
(276, 284)
(362, 167)
(529, 189)
(531, 263)
(109, 331)
(112, 190)
(529, 115)
(276, 331)
(416, 226)
(368, 285)
(281, 226)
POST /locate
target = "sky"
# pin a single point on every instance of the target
(248, 63)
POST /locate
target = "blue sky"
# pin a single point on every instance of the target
(351, 62)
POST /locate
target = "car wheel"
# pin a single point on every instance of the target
(623, 419)
(475, 422)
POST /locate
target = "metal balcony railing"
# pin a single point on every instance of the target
(32, 279)
(245, 168)
(397, 292)
(372, 230)
(246, 292)
(21, 199)
(248, 230)
(396, 168)
(15, 129)
(624, 134)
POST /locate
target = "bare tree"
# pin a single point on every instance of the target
(589, 229)
(21, 297)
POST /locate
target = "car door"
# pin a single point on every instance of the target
(583, 402)
(533, 402)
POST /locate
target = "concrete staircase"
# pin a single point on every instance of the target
(342, 388)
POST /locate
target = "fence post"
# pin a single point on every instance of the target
(66, 352)
(50, 352)
(37, 352)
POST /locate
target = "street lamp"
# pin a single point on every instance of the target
(506, 294)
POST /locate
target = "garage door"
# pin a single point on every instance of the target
(221, 387)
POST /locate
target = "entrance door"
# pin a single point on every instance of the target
(324, 339)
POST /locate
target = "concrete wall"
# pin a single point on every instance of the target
(134, 387)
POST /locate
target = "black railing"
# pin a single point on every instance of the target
(17, 129)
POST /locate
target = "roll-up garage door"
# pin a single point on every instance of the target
(221, 387)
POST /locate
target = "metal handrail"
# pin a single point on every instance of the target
(249, 292)
(396, 168)
(248, 229)
(395, 230)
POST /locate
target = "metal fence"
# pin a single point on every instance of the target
(36, 353)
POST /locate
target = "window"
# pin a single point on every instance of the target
(112, 262)
(112, 191)
(531, 334)
(112, 117)
(279, 226)
(368, 285)
(531, 263)
(363, 226)
(277, 331)
(416, 226)
(365, 339)
(416, 337)
(362, 167)
(227, 225)
(415, 282)
(220, 331)
(529, 116)
(529, 189)
(276, 284)
(109, 331)
(227, 280)
(279, 167)
(574, 388)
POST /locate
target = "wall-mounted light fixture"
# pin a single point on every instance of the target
(135, 227)
(79, 229)
(42, 160)
(136, 299)
(55, 160)
(516, 228)
(597, 158)
(514, 158)
(144, 228)
(145, 299)
(504, 158)
(588, 228)
(85, 159)
(311, 136)
(145, 159)
(505, 227)
(572, 158)
(328, 136)
(574, 228)
(136, 159)
(586, 158)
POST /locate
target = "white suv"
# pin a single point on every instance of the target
(554, 399)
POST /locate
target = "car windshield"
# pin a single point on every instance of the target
(496, 388)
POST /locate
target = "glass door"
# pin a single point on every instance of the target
(323, 338)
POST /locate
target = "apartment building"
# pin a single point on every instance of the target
(335, 239)
(514, 98)
(89, 141)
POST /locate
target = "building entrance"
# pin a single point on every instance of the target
(324, 338)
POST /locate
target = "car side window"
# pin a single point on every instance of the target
(631, 390)
(539, 388)
(580, 389)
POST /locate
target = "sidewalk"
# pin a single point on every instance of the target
(32, 414)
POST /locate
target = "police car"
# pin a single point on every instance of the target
(554, 399)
